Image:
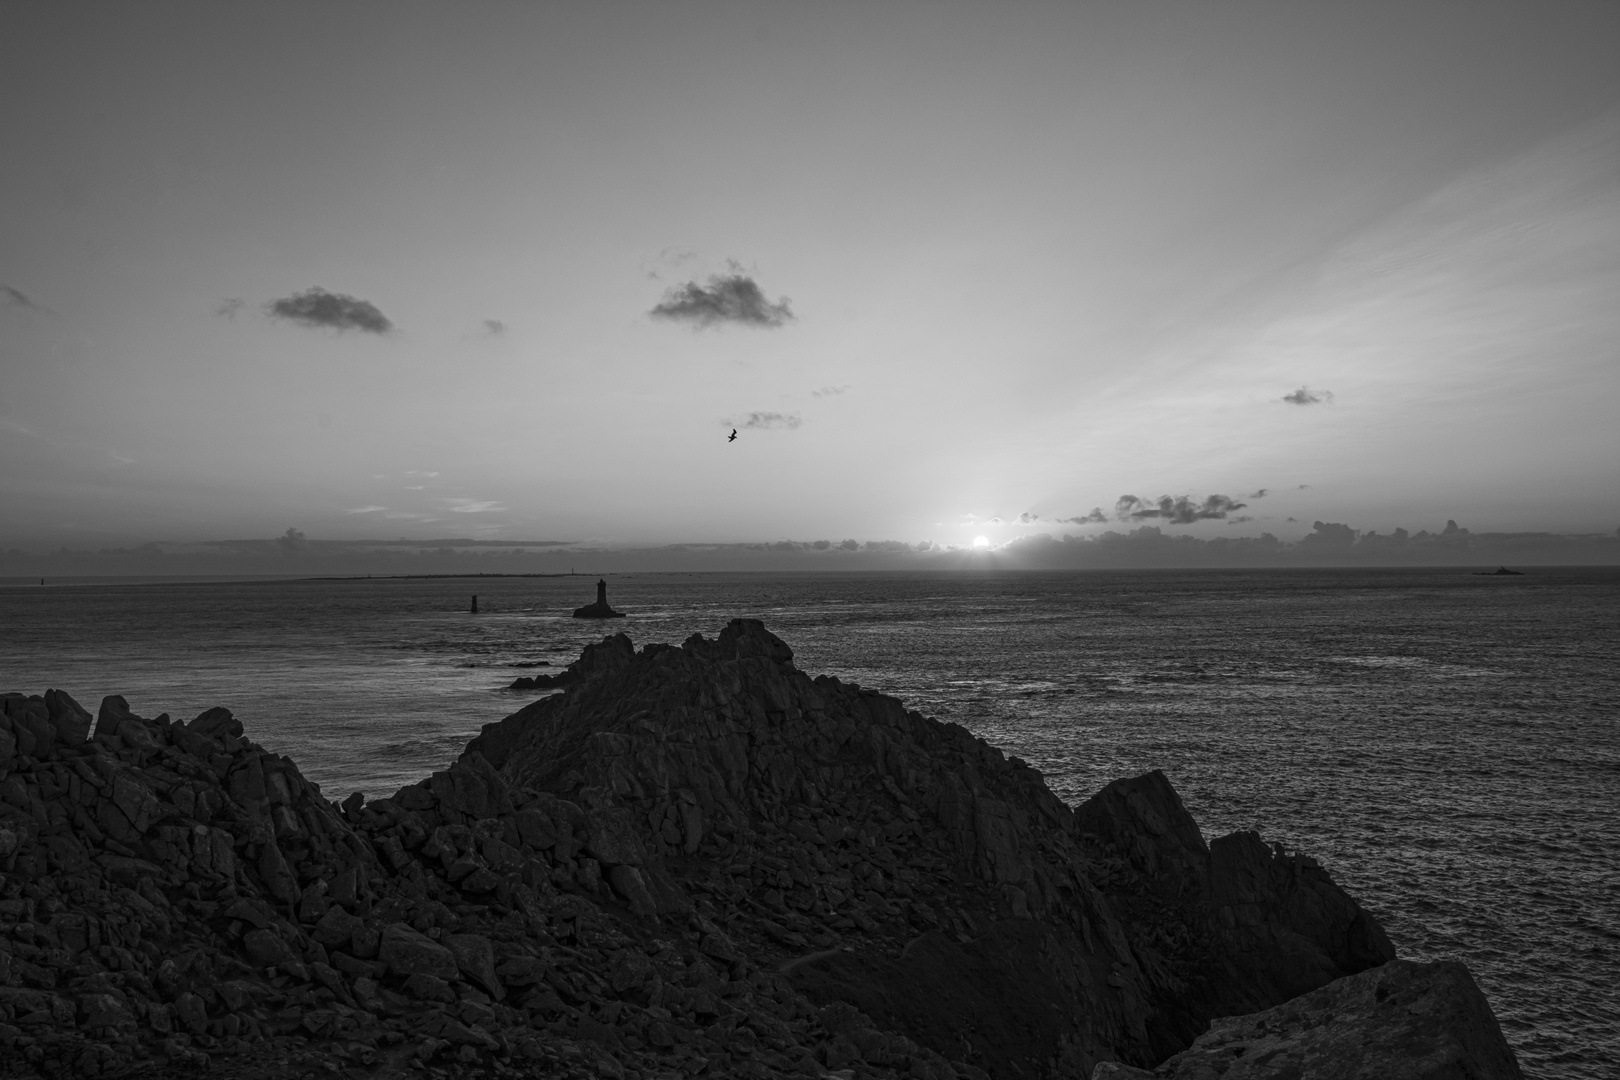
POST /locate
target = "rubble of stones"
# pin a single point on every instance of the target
(696, 861)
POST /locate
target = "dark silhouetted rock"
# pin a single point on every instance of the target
(694, 860)
(1399, 1021)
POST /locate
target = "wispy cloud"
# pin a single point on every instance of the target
(1182, 510)
(228, 307)
(336, 311)
(473, 506)
(1256, 494)
(365, 509)
(1095, 517)
(766, 421)
(494, 327)
(1306, 396)
(733, 298)
(831, 391)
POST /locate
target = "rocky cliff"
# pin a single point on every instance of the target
(695, 860)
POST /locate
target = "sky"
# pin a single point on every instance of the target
(516, 271)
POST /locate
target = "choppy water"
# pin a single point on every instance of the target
(1446, 744)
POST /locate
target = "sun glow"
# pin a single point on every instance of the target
(981, 543)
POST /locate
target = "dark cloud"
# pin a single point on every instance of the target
(18, 298)
(887, 545)
(1182, 510)
(770, 420)
(850, 545)
(317, 307)
(494, 327)
(1329, 534)
(1095, 517)
(1256, 494)
(292, 541)
(1239, 520)
(734, 298)
(1306, 396)
(228, 307)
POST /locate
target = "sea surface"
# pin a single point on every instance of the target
(1446, 744)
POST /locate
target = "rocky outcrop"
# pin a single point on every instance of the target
(903, 869)
(695, 860)
(600, 609)
(1400, 1021)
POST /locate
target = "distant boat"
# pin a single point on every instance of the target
(1500, 571)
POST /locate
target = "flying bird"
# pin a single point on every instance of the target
(733, 436)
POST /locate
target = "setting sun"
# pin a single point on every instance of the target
(981, 543)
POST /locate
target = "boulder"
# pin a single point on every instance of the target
(1399, 1021)
(71, 720)
(475, 957)
(409, 952)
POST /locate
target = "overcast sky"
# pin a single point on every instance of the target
(937, 263)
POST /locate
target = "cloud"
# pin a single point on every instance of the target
(494, 327)
(1333, 534)
(1256, 494)
(1306, 396)
(18, 298)
(374, 509)
(1095, 517)
(830, 391)
(292, 541)
(317, 307)
(1182, 510)
(735, 298)
(473, 506)
(1239, 520)
(766, 421)
(228, 307)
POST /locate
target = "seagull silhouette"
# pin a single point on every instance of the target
(733, 436)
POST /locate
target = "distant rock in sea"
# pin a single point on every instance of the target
(695, 860)
(600, 609)
(1500, 571)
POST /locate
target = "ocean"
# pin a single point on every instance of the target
(1444, 743)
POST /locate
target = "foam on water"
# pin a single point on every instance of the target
(1445, 744)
